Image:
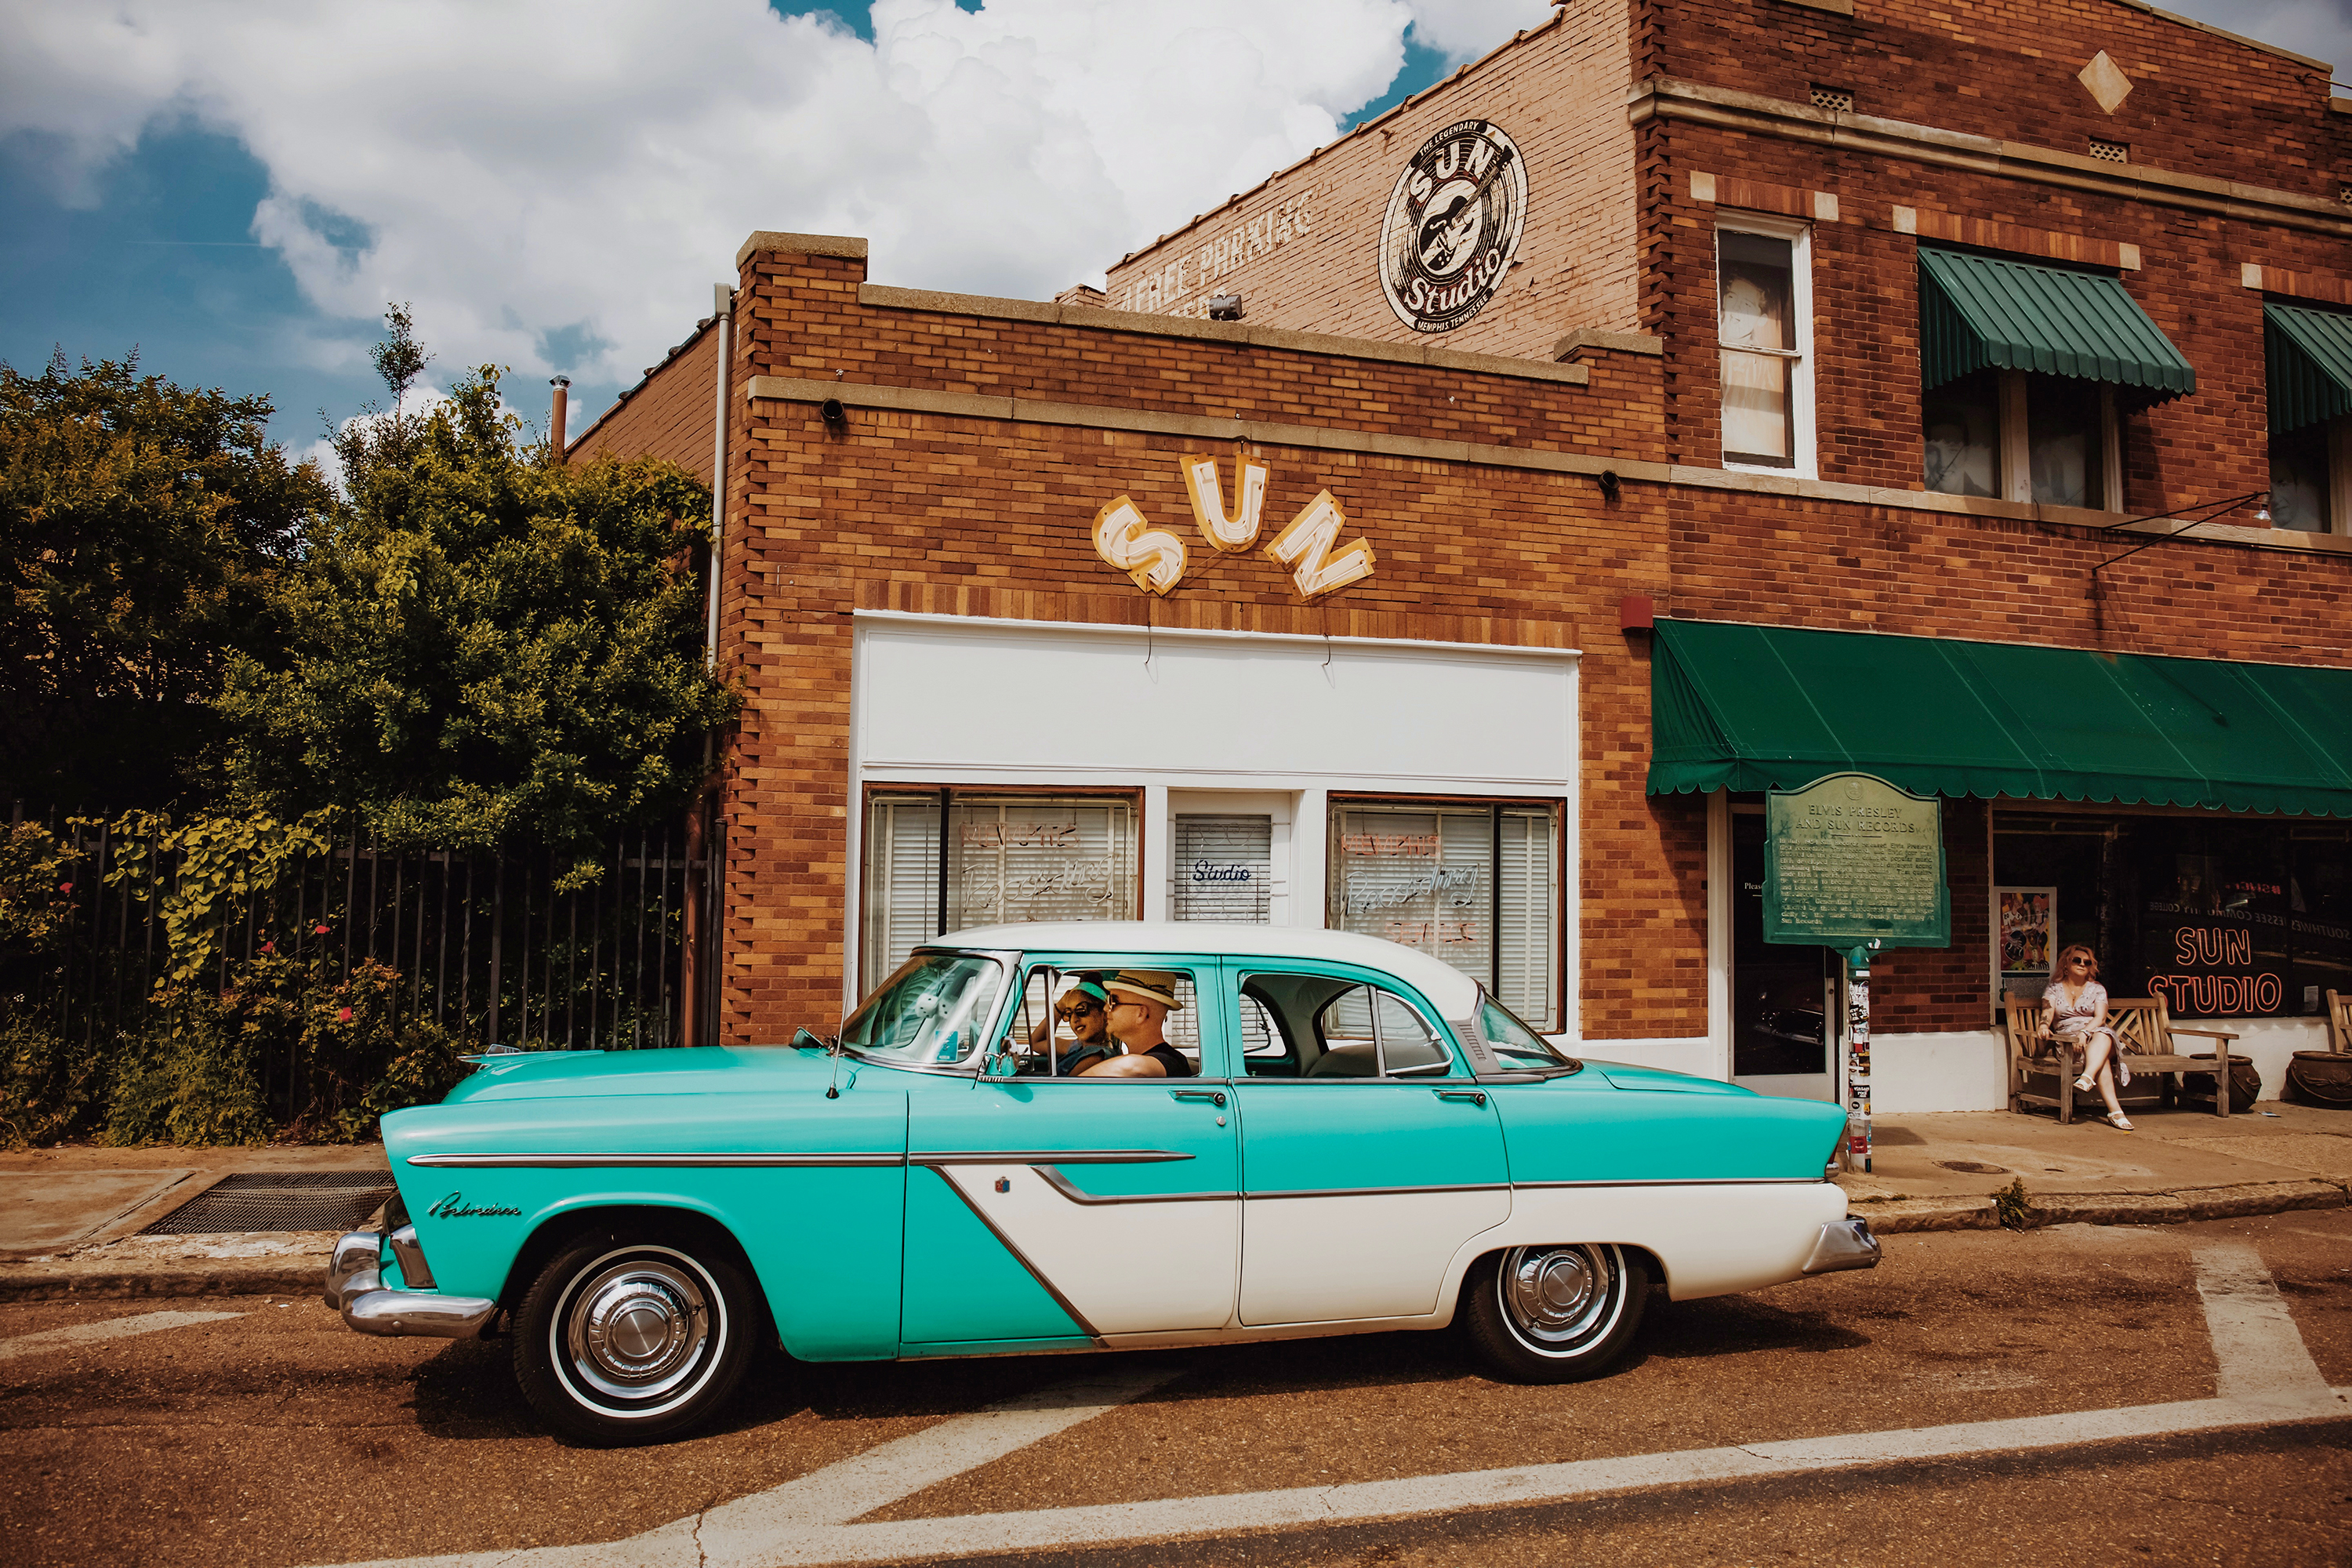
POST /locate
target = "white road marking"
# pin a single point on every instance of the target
(2261, 1357)
(111, 1329)
(2265, 1376)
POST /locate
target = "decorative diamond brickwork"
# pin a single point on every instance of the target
(2110, 151)
(2106, 81)
(1840, 99)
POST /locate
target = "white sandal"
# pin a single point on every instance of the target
(2120, 1121)
(2083, 1085)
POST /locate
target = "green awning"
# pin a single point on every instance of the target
(2310, 358)
(1744, 707)
(1978, 313)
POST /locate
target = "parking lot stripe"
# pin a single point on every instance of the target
(2264, 1377)
(2261, 1356)
(111, 1329)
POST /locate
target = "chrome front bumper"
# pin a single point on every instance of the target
(355, 1288)
(1843, 1244)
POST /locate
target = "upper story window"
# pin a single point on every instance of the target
(2023, 368)
(2308, 353)
(1763, 325)
(2013, 435)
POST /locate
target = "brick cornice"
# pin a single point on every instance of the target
(1332, 439)
(1668, 97)
(886, 297)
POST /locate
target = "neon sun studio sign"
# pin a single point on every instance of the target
(1155, 557)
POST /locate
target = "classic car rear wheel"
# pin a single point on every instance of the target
(629, 1338)
(1554, 1314)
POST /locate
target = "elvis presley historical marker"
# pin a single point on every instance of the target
(1855, 863)
(1849, 859)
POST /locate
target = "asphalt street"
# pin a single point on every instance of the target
(259, 1430)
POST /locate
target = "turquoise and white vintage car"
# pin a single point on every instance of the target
(1366, 1142)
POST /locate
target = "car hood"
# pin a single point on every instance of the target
(562, 1075)
(1625, 1075)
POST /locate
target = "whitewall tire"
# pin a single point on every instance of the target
(1554, 1314)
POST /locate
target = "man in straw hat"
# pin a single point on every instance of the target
(1140, 1001)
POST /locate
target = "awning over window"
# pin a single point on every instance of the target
(1977, 312)
(1743, 708)
(2310, 356)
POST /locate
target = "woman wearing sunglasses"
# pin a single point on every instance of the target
(1084, 1011)
(2078, 1020)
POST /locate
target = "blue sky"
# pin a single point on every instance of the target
(155, 250)
(134, 203)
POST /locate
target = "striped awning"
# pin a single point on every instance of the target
(1981, 313)
(2310, 358)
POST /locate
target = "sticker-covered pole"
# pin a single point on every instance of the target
(1857, 1056)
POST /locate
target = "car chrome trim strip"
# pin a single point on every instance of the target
(1023, 1258)
(1686, 1182)
(1042, 1156)
(574, 1161)
(1077, 1195)
(1382, 1191)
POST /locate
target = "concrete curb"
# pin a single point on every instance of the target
(2181, 1207)
(276, 1276)
(1894, 1216)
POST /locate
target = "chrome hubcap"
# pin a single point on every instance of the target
(636, 1330)
(1554, 1295)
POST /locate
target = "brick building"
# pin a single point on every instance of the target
(1983, 368)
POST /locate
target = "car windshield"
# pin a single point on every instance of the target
(929, 1013)
(1507, 1036)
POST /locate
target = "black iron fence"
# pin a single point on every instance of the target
(484, 946)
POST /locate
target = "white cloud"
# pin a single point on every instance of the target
(1464, 29)
(528, 168)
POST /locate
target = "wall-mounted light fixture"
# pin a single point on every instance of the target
(1225, 307)
(835, 415)
(1609, 486)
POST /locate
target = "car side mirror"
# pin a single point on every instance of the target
(1000, 1062)
(802, 1039)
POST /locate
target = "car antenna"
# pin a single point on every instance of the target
(833, 1085)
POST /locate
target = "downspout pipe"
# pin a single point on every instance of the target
(722, 306)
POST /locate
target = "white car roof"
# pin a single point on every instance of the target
(1454, 993)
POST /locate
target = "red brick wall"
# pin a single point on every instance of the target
(2201, 103)
(983, 516)
(667, 415)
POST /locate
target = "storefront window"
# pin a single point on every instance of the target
(1009, 859)
(1475, 885)
(2228, 920)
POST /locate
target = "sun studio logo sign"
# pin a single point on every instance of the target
(1453, 225)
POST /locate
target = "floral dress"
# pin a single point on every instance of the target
(2076, 1022)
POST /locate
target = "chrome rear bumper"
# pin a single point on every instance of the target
(355, 1288)
(1843, 1244)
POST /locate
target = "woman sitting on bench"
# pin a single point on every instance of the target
(2078, 1019)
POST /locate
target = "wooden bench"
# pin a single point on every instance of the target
(2145, 1033)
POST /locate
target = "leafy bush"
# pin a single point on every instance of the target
(49, 1088)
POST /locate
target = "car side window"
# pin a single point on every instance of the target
(1046, 985)
(1368, 1031)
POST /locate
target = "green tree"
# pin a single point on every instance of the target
(143, 526)
(492, 651)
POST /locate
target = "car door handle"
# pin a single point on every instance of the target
(1474, 1096)
(1215, 1097)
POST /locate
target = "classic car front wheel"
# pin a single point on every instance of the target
(1554, 1314)
(626, 1337)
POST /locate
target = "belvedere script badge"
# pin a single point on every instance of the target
(1453, 225)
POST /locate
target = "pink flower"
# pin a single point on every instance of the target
(344, 1017)
(269, 947)
(318, 930)
(65, 887)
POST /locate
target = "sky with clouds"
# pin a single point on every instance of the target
(237, 186)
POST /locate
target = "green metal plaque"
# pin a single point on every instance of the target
(1850, 857)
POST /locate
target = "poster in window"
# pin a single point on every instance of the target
(2026, 922)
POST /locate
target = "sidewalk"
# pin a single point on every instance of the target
(1941, 1172)
(70, 1218)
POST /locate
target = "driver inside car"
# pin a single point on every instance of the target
(1084, 1010)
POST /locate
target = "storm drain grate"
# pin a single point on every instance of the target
(278, 1200)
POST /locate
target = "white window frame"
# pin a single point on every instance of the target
(1801, 309)
(2015, 453)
